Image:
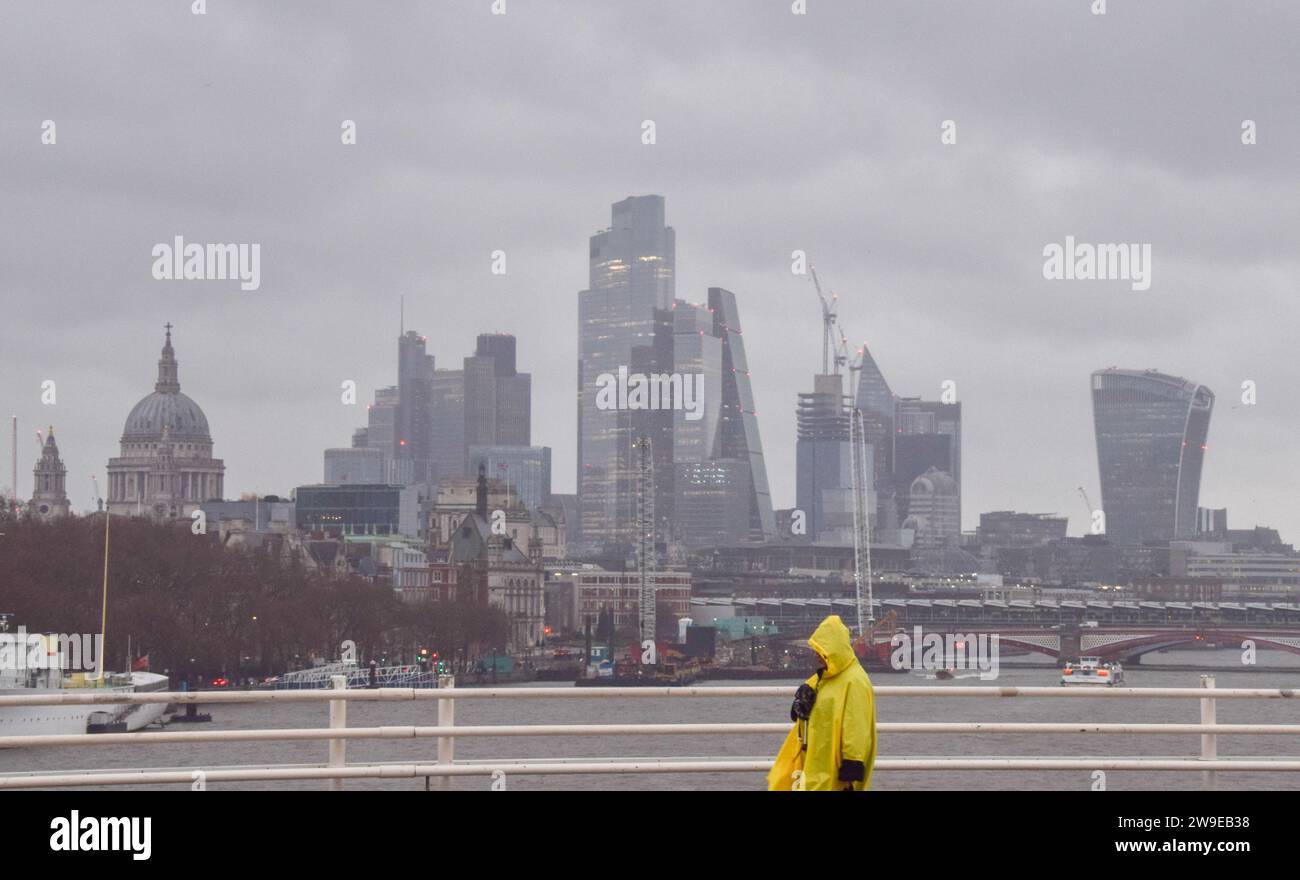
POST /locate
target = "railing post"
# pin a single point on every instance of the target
(446, 718)
(338, 719)
(1209, 741)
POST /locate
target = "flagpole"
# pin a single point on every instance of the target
(103, 612)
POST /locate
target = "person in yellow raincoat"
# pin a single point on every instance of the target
(832, 746)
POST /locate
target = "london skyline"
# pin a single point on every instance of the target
(939, 271)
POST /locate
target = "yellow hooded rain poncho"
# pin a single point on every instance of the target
(841, 726)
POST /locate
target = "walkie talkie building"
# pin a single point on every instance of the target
(1151, 432)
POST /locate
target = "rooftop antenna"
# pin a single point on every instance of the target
(402, 322)
(14, 485)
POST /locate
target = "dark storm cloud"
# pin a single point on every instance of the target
(775, 132)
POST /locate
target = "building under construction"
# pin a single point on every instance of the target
(822, 461)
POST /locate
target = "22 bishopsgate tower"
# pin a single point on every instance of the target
(632, 273)
(709, 473)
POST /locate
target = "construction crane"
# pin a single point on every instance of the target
(835, 355)
(854, 364)
(645, 538)
(829, 317)
(862, 586)
(1087, 506)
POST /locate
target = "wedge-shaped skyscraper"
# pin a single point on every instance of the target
(1151, 432)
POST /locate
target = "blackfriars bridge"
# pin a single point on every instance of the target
(1113, 630)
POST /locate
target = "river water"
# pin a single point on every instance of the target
(631, 710)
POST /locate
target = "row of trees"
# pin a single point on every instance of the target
(196, 607)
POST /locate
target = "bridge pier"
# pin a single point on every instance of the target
(1070, 645)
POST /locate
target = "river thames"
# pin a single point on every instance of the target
(758, 709)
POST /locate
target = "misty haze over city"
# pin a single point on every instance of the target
(775, 133)
(686, 396)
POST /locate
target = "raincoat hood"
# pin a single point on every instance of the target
(832, 642)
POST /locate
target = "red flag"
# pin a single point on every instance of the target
(141, 665)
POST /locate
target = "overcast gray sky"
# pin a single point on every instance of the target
(775, 132)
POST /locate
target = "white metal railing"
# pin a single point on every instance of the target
(336, 770)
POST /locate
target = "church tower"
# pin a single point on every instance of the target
(50, 498)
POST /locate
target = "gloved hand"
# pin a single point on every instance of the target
(802, 706)
(851, 772)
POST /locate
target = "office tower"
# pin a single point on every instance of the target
(738, 437)
(711, 506)
(655, 358)
(501, 347)
(823, 481)
(526, 470)
(692, 442)
(1211, 521)
(697, 350)
(720, 491)
(932, 510)
(486, 403)
(876, 401)
(924, 422)
(630, 291)
(424, 425)
(381, 421)
(355, 465)
(414, 414)
(914, 454)
(447, 435)
(380, 434)
(1151, 433)
(513, 390)
(480, 402)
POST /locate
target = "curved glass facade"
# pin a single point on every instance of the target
(1151, 433)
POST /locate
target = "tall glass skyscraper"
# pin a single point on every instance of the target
(513, 392)
(487, 402)
(631, 287)
(720, 491)
(1151, 432)
(738, 420)
(710, 480)
(877, 403)
(414, 407)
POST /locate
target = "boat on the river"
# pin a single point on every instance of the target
(50, 678)
(1091, 671)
